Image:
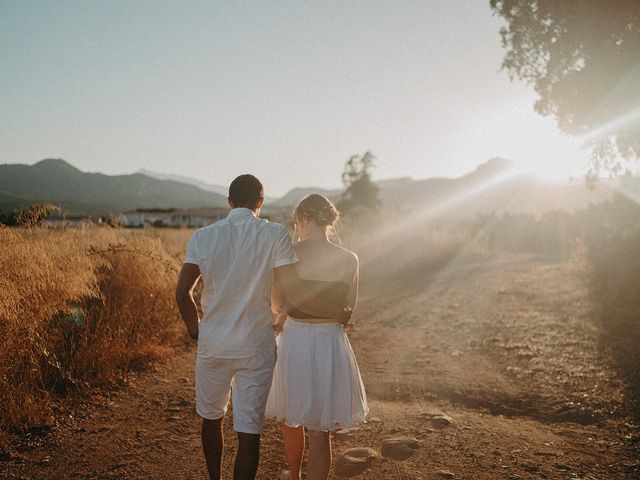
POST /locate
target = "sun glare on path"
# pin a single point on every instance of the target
(384, 239)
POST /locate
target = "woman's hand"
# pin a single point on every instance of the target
(344, 317)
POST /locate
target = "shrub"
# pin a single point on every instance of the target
(78, 308)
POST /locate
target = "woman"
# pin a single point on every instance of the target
(316, 381)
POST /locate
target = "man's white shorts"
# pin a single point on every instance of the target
(246, 380)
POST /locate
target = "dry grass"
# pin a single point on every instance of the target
(79, 308)
(611, 257)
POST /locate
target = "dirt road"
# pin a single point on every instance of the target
(505, 348)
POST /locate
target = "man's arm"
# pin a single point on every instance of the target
(189, 276)
(287, 281)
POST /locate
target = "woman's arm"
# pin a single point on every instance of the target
(352, 296)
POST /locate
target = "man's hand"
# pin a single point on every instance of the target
(279, 320)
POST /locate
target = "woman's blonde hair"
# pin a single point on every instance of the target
(317, 208)
(321, 211)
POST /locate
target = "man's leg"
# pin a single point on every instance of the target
(249, 393)
(213, 389)
(247, 457)
(212, 444)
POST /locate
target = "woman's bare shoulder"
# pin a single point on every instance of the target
(346, 253)
(348, 257)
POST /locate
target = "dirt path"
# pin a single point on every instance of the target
(505, 348)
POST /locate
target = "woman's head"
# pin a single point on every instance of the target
(317, 210)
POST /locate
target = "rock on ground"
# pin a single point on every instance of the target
(399, 448)
(438, 419)
(445, 474)
(354, 461)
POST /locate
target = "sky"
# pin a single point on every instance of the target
(285, 90)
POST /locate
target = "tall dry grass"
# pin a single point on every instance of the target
(79, 308)
(613, 268)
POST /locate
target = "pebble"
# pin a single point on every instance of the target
(445, 474)
(344, 432)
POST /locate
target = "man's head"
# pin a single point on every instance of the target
(246, 192)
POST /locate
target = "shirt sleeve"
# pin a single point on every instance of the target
(191, 256)
(284, 252)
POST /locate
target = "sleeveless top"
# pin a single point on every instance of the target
(330, 293)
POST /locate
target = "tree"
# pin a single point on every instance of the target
(360, 192)
(583, 59)
(33, 215)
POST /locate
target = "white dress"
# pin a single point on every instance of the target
(316, 381)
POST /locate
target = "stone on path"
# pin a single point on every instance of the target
(344, 432)
(445, 474)
(399, 448)
(438, 419)
(354, 461)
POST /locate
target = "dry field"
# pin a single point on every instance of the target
(78, 309)
(506, 347)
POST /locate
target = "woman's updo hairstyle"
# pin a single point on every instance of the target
(317, 208)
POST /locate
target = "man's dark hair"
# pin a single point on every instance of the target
(245, 191)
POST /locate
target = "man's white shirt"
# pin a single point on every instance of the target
(236, 257)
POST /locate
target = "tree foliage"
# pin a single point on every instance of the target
(33, 215)
(583, 59)
(360, 192)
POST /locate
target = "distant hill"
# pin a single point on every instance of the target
(188, 180)
(492, 187)
(193, 181)
(56, 181)
(292, 197)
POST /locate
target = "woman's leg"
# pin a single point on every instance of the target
(319, 461)
(293, 438)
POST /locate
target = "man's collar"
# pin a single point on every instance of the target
(241, 212)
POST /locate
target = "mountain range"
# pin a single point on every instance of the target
(491, 187)
(82, 193)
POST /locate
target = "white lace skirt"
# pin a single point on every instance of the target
(316, 382)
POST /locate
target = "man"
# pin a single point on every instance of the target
(238, 259)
